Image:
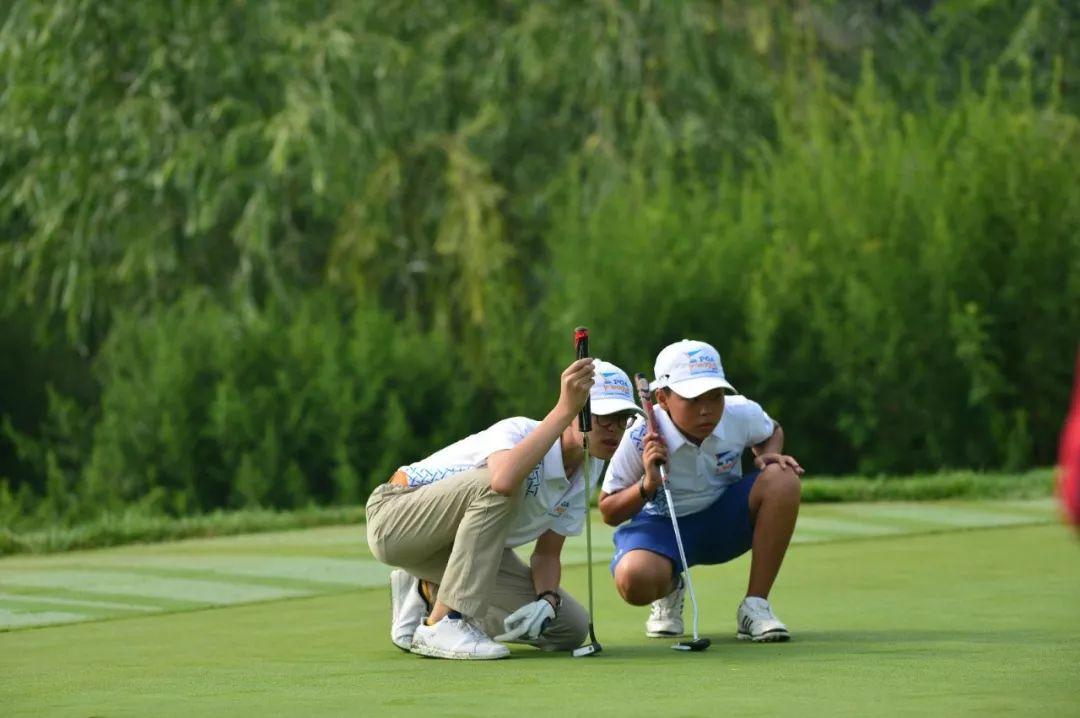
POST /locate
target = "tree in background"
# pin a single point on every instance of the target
(257, 253)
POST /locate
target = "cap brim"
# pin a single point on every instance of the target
(603, 407)
(692, 388)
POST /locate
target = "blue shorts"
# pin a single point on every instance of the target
(716, 534)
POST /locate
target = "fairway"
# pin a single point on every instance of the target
(889, 620)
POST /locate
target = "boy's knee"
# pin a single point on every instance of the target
(781, 483)
(642, 580)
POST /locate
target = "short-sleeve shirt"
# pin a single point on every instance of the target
(697, 475)
(551, 499)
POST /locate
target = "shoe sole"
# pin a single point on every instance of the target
(432, 652)
(774, 636)
(664, 634)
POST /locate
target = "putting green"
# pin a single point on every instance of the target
(185, 575)
(969, 622)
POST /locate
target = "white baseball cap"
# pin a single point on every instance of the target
(611, 391)
(690, 368)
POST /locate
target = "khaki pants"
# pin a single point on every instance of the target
(453, 534)
(514, 588)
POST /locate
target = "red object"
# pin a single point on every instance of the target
(581, 334)
(1069, 457)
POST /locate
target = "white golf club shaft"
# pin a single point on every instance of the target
(678, 541)
(588, 524)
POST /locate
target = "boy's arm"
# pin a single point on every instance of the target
(509, 468)
(772, 445)
(546, 564)
(771, 451)
(625, 502)
(622, 505)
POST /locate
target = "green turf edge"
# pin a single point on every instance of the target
(135, 526)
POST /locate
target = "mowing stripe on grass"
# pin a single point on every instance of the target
(314, 570)
(943, 516)
(113, 582)
(243, 569)
(20, 619)
(815, 528)
(15, 599)
(150, 603)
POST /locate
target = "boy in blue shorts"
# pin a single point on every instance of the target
(722, 514)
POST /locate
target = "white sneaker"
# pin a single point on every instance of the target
(665, 616)
(407, 607)
(458, 638)
(758, 623)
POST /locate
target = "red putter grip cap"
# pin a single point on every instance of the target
(581, 349)
(581, 342)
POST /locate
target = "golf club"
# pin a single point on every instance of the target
(581, 347)
(698, 643)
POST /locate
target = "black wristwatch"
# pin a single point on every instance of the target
(641, 490)
(558, 598)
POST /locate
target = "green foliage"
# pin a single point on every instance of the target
(880, 280)
(260, 253)
(257, 147)
(297, 404)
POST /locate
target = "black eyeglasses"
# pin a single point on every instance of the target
(614, 422)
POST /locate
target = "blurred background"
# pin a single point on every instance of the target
(260, 253)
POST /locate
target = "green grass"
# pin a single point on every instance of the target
(137, 526)
(975, 622)
(933, 487)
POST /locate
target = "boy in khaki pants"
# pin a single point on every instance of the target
(450, 522)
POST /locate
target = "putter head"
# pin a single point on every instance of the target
(698, 644)
(590, 649)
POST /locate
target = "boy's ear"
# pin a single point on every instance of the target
(661, 396)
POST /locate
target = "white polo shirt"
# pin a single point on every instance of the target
(551, 500)
(697, 475)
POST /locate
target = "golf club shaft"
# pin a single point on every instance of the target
(679, 543)
(588, 535)
(581, 350)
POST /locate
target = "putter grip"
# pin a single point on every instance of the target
(581, 348)
(645, 397)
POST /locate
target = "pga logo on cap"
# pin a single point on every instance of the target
(702, 361)
(690, 368)
(615, 384)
